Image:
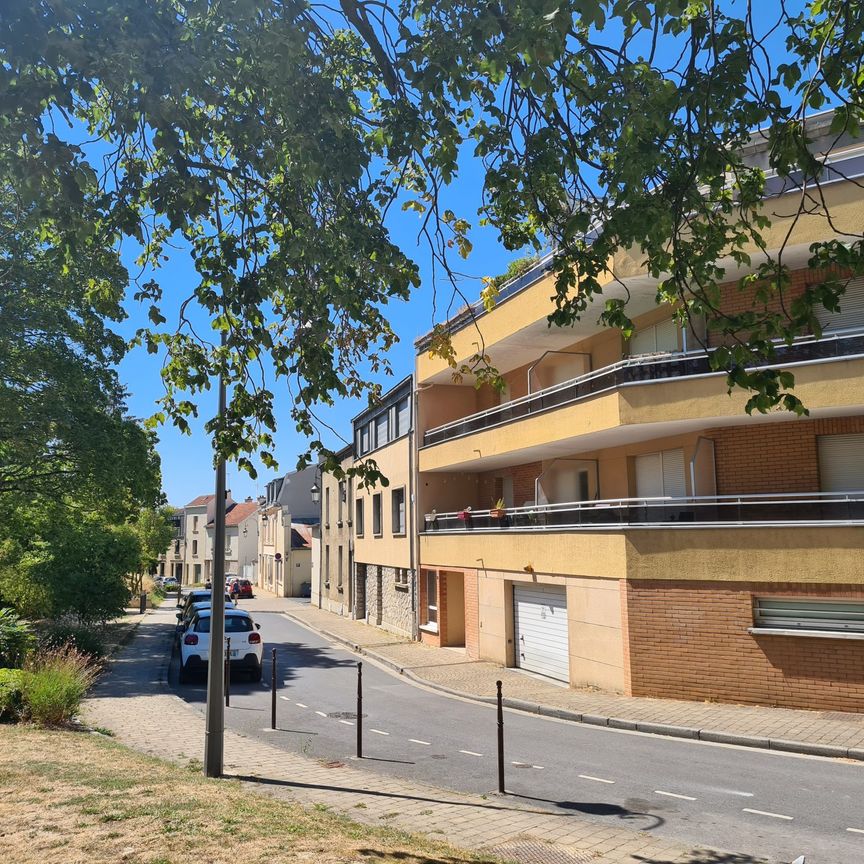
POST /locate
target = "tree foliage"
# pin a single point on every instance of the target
(274, 136)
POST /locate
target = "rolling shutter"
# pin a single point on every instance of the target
(841, 463)
(540, 613)
(658, 337)
(661, 475)
(851, 314)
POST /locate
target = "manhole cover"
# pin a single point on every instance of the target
(343, 715)
(521, 765)
(540, 853)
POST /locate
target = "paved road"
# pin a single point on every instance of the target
(768, 804)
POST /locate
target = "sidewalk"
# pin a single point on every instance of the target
(134, 702)
(819, 733)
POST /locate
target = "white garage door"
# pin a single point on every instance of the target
(541, 630)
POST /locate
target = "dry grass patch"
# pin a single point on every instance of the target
(76, 798)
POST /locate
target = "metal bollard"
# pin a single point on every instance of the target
(500, 738)
(228, 674)
(273, 689)
(359, 710)
(142, 602)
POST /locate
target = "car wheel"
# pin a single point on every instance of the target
(257, 673)
(184, 675)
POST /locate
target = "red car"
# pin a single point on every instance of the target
(241, 588)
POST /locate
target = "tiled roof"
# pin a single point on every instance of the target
(301, 536)
(201, 500)
(239, 512)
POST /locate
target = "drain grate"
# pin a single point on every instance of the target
(841, 715)
(344, 715)
(527, 852)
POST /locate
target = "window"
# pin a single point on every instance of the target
(402, 418)
(659, 337)
(364, 439)
(397, 504)
(358, 517)
(835, 616)
(432, 598)
(195, 547)
(661, 475)
(194, 523)
(339, 561)
(343, 497)
(176, 547)
(376, 514)
(197, 572)
(382, 429)
(326, 566)
(841, 462)
(402, 580)
(327, 507)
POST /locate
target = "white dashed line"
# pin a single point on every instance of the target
(517, 764)
(856, 830)
(734, 792)
(766, 813)
(470, 753)
(346, 722)
(320, 713)
(424, 743)
(285, 698)
(597, 779)
(539, 767)
(674, 795)
(379, 732)
(299, 704)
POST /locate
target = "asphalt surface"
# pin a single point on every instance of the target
(773, 805)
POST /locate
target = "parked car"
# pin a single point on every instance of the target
(241, 588)
(189, 612)
(199, 595)
(168, 583)
(246, 646)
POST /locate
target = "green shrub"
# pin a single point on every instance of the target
(88, 640)
(16, 638)
(10, 694)
(54, 683)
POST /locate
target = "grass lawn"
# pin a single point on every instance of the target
(76, 798)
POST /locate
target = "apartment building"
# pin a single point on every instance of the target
(196, 514)
(385, 586)
(334, 587)
(615, 519)
(171, 560)
(285, 517)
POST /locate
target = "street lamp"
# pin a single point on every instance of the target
(315, 491)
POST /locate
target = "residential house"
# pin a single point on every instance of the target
(333, 590)
(241, 541)
(385, 551)
(171, 561)
(615, 519)
(286, 516)
(196, 514)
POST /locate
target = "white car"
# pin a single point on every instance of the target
(246, 646)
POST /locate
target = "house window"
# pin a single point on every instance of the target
(819, 616)
(841, 462)
(197, 571)
(326, 566)
(358, 517)
(661, 475)
(402, 577)
(327, 507)
(432, 598)
(376, 514)
(342, 498)
(194, 523)
(660, 337)
(364, 439)
(397, 504)
(339, 571)
(194, 547)
(382, 429)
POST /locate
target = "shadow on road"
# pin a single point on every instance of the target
(593, 808)
(704, 856)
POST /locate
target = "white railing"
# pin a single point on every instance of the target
(807, 508)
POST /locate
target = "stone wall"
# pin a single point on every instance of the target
(390, 602)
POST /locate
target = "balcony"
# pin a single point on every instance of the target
(799, 509)
(633, 371)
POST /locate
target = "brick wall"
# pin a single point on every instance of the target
(773, 457)
(490, 486)
(734, 301)
(472, 615)
(689, 640)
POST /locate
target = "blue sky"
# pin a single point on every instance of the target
(187, 460)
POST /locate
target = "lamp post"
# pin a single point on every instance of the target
(315, 492)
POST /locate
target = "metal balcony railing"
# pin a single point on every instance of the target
(807, 508)
(638, 370)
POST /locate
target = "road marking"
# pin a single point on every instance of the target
(597, 779)
(424, 743)
(299, 704)
(320, 713)
(766, 813)
(346, 722)
(733, 792)
(470, 753)
(539, 767)
(285, 698)
(379, 732)
(856, 830)
(674, 795)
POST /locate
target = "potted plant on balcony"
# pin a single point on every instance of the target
(464, 515)
(498, 510)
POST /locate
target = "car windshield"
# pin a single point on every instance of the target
(233, 624)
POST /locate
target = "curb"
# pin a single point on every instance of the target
(689, 732)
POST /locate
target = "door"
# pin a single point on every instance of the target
(540, 613)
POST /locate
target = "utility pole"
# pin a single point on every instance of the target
(214, 735)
